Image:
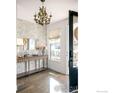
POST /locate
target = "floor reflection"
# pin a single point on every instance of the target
(54, 86)
(46, 82)
(57, 84)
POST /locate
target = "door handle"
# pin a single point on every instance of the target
(70, 58)
(71, 54)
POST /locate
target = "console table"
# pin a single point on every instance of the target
(34, 58)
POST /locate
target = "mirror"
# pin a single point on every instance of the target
(25, 44)
(29, 46)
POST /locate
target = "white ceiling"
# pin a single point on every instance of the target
(58, 8)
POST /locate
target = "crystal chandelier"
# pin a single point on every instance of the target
(42, 16)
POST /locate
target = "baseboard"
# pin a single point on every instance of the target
(57, 71)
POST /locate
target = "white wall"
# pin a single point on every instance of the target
(62, 65)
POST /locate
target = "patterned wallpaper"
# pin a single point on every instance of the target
(25, 29)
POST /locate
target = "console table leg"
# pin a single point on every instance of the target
(35, 64)
(25, 67)
(29, 67)
(43, 62)
(39, 63)
(46, 63)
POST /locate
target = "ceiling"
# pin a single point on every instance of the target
(58, 8)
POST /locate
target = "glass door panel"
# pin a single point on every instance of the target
(75, 41)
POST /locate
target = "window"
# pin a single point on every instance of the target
(55, 49)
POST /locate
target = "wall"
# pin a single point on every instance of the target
(62, 65)
(25, 29)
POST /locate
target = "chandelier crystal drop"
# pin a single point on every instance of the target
(42, 16)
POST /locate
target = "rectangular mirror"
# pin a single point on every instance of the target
(24, 45)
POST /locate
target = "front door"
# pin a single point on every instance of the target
(73, 51)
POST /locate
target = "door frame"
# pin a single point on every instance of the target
(73, 72)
